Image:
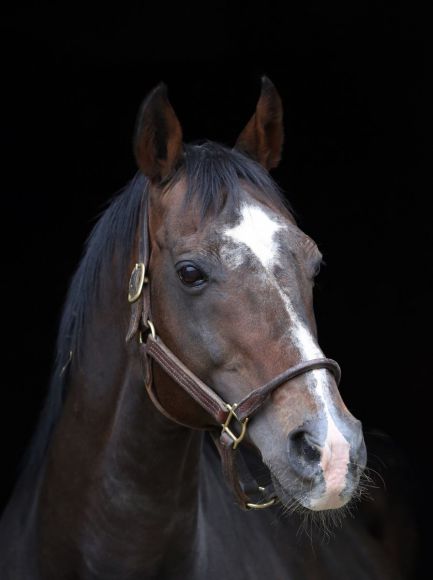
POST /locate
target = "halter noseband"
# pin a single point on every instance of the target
(225, 414)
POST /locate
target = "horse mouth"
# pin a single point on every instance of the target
(306, 496)
(291, 501)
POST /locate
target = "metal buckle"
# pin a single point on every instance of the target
(226, 425)
(260, 506)
(136, 282)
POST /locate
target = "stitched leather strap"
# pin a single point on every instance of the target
(211, 402)
(140, 307)
(252, 402)
(189, 382)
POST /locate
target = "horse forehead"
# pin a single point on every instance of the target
(256, 231)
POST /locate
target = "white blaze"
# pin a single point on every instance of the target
(256, 232)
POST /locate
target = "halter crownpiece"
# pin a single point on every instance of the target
(226, 415)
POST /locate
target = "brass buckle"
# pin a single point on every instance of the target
(226, 425)
(260, 506)
(136, 282)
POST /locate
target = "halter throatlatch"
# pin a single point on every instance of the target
(232, 418)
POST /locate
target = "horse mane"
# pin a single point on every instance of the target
(214, 174)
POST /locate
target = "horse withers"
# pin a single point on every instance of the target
(123, 481)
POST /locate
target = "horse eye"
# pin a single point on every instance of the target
(191, 276)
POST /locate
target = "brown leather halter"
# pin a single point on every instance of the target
(224, 414)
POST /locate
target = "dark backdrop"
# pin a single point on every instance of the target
(353, 79)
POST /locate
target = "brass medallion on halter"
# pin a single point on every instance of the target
(136, 282)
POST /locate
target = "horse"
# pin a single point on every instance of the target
(193, 423)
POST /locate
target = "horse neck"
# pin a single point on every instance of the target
(123, 478)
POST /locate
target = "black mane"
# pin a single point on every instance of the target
(214, 175)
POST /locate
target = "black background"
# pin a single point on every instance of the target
(355, 81)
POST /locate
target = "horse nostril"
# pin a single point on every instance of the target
(305, 449)
(304, 446)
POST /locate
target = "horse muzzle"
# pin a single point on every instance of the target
(324, 464)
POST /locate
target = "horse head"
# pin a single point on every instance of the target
(231, 291)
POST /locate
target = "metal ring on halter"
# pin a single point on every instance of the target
(151, 327)
(261, 506)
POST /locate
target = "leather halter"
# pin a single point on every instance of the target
(224, 414)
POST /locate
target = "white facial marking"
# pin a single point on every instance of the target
(334, 462)
(256, 231)
(336, 449)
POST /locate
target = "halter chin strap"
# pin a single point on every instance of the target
(230, 418)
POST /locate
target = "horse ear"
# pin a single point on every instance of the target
(262, 139)
(158, 136)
